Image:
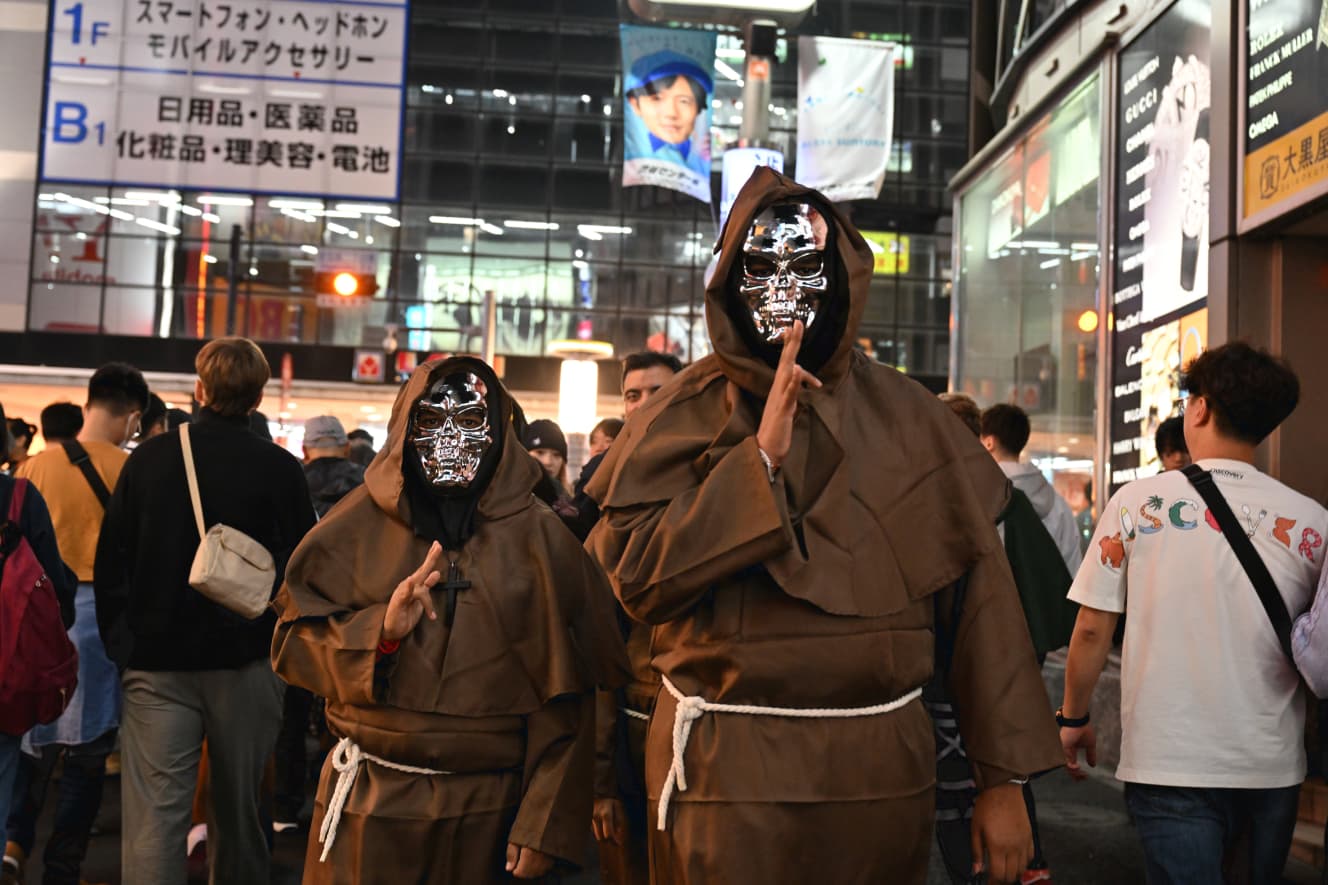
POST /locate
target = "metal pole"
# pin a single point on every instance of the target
(760, 42)
(490, 327)
(233, 278)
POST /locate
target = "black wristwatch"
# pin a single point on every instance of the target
(1064, 722)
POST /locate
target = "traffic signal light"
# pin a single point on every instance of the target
(345, 283)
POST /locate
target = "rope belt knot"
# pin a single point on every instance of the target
(347, 757)
(693, 707)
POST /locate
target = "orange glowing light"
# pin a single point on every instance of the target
(1088, 321)
(345, 284)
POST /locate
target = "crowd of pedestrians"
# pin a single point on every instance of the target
(786, 624)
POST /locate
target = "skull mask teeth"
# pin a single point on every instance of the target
(450, 430)
(783, 268)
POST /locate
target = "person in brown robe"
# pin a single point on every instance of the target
(801, 525)
(458, 632)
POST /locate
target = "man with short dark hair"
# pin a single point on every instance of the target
(191, 668)
(60, 422)
(75, 478)
(1212, 712)
(644, 374)
(154, 418)
(1005, 432)
(1170, 443)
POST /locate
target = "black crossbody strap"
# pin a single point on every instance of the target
(1249, 558)
(78, 456)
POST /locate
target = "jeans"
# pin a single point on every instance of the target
(77, 804)
(9, 757)
(1186, 831)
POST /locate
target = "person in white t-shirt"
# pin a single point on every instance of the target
(1212, 714)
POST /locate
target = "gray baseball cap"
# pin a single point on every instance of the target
(324, 431)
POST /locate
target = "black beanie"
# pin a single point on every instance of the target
(546, 434)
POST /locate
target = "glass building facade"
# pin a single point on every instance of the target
(511, 185)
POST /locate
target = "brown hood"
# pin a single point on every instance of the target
(765, 188)
(892, 497)
(515, 475)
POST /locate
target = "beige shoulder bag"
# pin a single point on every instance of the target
(230, 568)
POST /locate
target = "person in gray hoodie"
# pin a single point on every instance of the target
(1005, 432)
(326, 462)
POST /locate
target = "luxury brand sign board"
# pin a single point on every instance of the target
(285, 96)
(1285, 93)
(1161, 222)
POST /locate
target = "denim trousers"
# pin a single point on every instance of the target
(1187, 832)
(78, 801)
(9, 753)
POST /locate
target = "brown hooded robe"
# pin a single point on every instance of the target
(503, 699)
(818, 590)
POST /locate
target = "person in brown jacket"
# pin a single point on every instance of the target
(458, 632)
(802, 525)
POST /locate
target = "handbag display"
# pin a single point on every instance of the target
(230, 568)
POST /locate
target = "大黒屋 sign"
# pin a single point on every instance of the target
(1285, 91)
(289, 96)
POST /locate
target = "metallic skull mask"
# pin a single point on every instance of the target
(783, 268)
(450, 430)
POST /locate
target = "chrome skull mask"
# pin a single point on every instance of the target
(784, 275)
(451, 431)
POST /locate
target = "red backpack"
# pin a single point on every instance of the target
(38, 663)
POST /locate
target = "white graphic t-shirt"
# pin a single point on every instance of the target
(1208, 699)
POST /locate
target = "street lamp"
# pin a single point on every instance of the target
(578, 387)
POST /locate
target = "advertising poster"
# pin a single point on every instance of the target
(845, 115)
(1161, 223)
(1285, 90)
(276, 96)
(668, 82)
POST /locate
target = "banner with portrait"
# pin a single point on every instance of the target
(668, 81)
(846, 101)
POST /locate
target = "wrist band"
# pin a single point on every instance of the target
(388, 646)
(770, 466)
(1065, 722)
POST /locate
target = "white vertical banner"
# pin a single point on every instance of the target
(846, 103)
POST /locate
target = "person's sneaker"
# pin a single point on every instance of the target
(281, 826)
(1030, 876)
(11, 873)
(196, 852)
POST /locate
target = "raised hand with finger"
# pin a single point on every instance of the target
(775, 434)
(412, 598)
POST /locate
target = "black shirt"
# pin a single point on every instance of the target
(149, 616)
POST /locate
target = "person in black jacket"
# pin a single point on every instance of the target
(34, 524)
(192, 668)
(326, 452)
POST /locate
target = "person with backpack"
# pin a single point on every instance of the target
(1211, 564)
(75, 478)
(192, 664)
(36, 591)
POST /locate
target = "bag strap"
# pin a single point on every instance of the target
(1249, 558)
(16, 501)
(79, 457)
(193, 480)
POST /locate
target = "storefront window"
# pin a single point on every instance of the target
(1026, 303)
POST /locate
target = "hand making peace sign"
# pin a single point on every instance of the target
(412, 598)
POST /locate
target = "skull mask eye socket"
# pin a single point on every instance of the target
(807, 266)
(759, 267)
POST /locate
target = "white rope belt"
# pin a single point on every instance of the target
(347, 757)
(694, 707)
(635, 714)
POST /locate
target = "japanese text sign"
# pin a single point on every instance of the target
(288, 96)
